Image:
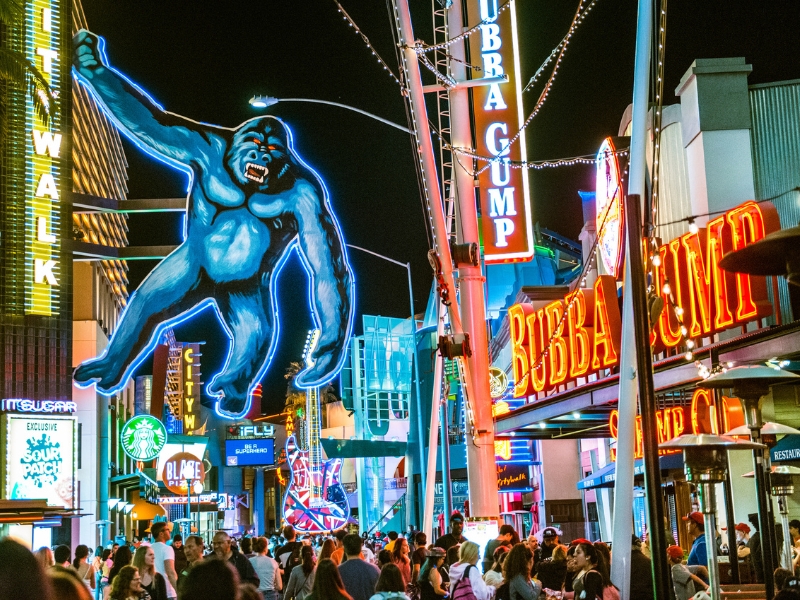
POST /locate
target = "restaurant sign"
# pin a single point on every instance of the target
(549, 347)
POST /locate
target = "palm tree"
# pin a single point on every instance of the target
(16, 69)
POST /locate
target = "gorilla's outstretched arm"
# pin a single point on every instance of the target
(171, 136)
(322, 249)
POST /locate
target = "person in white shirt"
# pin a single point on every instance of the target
(267, 569)
(165, 557)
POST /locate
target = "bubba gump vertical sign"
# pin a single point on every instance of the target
(506, 228)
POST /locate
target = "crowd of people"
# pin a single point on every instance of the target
(347, 566)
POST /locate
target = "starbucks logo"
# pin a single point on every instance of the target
(143, 437)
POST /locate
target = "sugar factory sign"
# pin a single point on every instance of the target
(587, 339)
(507, 232)
(37, 406)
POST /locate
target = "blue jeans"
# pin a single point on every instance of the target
(269, 594)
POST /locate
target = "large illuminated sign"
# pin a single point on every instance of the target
(672, 422)
(40, 458)
(246, 453)
(609, 215)
(588, 338)
(42, 156)
(37, 406)
(252, 201)
(181, 471)
(143, 437)
(507, 231)
(190, 357)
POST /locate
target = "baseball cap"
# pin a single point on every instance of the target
(580, 541)
(743, 527)
(456, 516)
(697, 517)
(675, 552)
(437, 552)
(549, 532)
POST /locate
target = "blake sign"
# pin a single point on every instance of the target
(506, 228)
(588, 339)
(180, 469)
(40, 459)
(143, 437)
(43, 156)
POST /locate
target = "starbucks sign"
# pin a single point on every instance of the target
(143, 437)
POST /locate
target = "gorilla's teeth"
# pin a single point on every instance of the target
(255, 172)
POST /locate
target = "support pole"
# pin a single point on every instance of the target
(787, 537)
(733, 550)
(447, 495)
(483, 497)
(259, 518)
(623, 486)
(411, 491)
(635, 287)
(433, 433)
(103, 471)
(708, 505)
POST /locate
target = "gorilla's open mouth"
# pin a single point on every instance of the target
(255, 172)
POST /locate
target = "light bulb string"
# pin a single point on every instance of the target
(422, 48)
(714, 213)
(366, 41)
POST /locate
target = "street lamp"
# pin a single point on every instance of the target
(266, 101)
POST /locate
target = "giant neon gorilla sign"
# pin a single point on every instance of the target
(252, 200)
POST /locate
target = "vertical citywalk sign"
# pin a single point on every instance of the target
(190, 356)
(42, 169)
(506, 228)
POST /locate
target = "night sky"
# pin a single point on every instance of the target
(204, 59)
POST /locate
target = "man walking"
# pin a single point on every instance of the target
(453, 538)
(194, 548)
(359, 576)
(284, 554)
(225, 551)
(165, 557)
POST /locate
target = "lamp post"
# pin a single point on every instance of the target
(418, 406)
(750, 384)
(705, 459)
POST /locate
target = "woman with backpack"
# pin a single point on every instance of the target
(301, 581)
(517, 575)
(592, 581)
(465, 578)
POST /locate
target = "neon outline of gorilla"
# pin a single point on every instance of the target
(243, 221)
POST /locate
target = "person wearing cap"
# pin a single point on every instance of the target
(506, 537)
(430, 580)
(742, 537)
(549, 543)
(684, 577)
(696, 528)
(453, 538)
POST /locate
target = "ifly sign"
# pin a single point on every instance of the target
(506, 227)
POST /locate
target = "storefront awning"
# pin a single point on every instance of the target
(362, 448)
(606, 476)
(787, 450)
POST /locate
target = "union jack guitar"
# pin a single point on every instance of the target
(315, 500)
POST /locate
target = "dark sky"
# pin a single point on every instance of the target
(204, 59)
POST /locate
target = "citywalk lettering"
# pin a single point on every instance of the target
(505, 202)
(587, 339)
(700, 417)
(42, 156)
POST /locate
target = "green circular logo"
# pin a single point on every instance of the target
(143, 437)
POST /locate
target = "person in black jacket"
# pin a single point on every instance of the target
(641, 585)
(224, 551)
(552, 572)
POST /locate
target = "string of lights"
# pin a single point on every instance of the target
(423, 48)
(365, 39)
(564, 41)
(446, 80)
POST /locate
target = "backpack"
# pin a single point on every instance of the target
(463, 587)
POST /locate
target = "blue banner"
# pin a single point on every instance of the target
(250, 453)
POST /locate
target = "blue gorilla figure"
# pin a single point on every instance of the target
(251, 201)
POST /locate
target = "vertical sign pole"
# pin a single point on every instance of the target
(623, 487)
(483, 498)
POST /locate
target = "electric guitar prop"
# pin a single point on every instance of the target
(315, 500)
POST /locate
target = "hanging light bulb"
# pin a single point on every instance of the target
(684, 331)
(679, 311)
(690, 344)
(666, 289)
(693, 228)
(656, 260)
(689, 356)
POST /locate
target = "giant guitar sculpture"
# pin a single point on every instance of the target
(315, 500)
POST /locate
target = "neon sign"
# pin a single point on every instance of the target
(190, 356)
(37, 406)
(609, 216)
(588, 338)
(507, 232)
(42, 155)
(672, 422)
(252, 202)
(143, 437)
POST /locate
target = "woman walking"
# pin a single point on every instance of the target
(400, 558)
(465, 569)
(391, 585)
(517, 572)
(328, 583)
(152, 582)
(84, 568)
(128, 585)
(301, 581)
(267, 569)
(430, 579)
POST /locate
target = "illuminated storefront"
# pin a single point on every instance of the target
(560, 345)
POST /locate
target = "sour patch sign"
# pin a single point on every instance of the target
(40, 459)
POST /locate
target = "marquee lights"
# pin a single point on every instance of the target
(709, 299)
(43, 180)
(507, 231)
